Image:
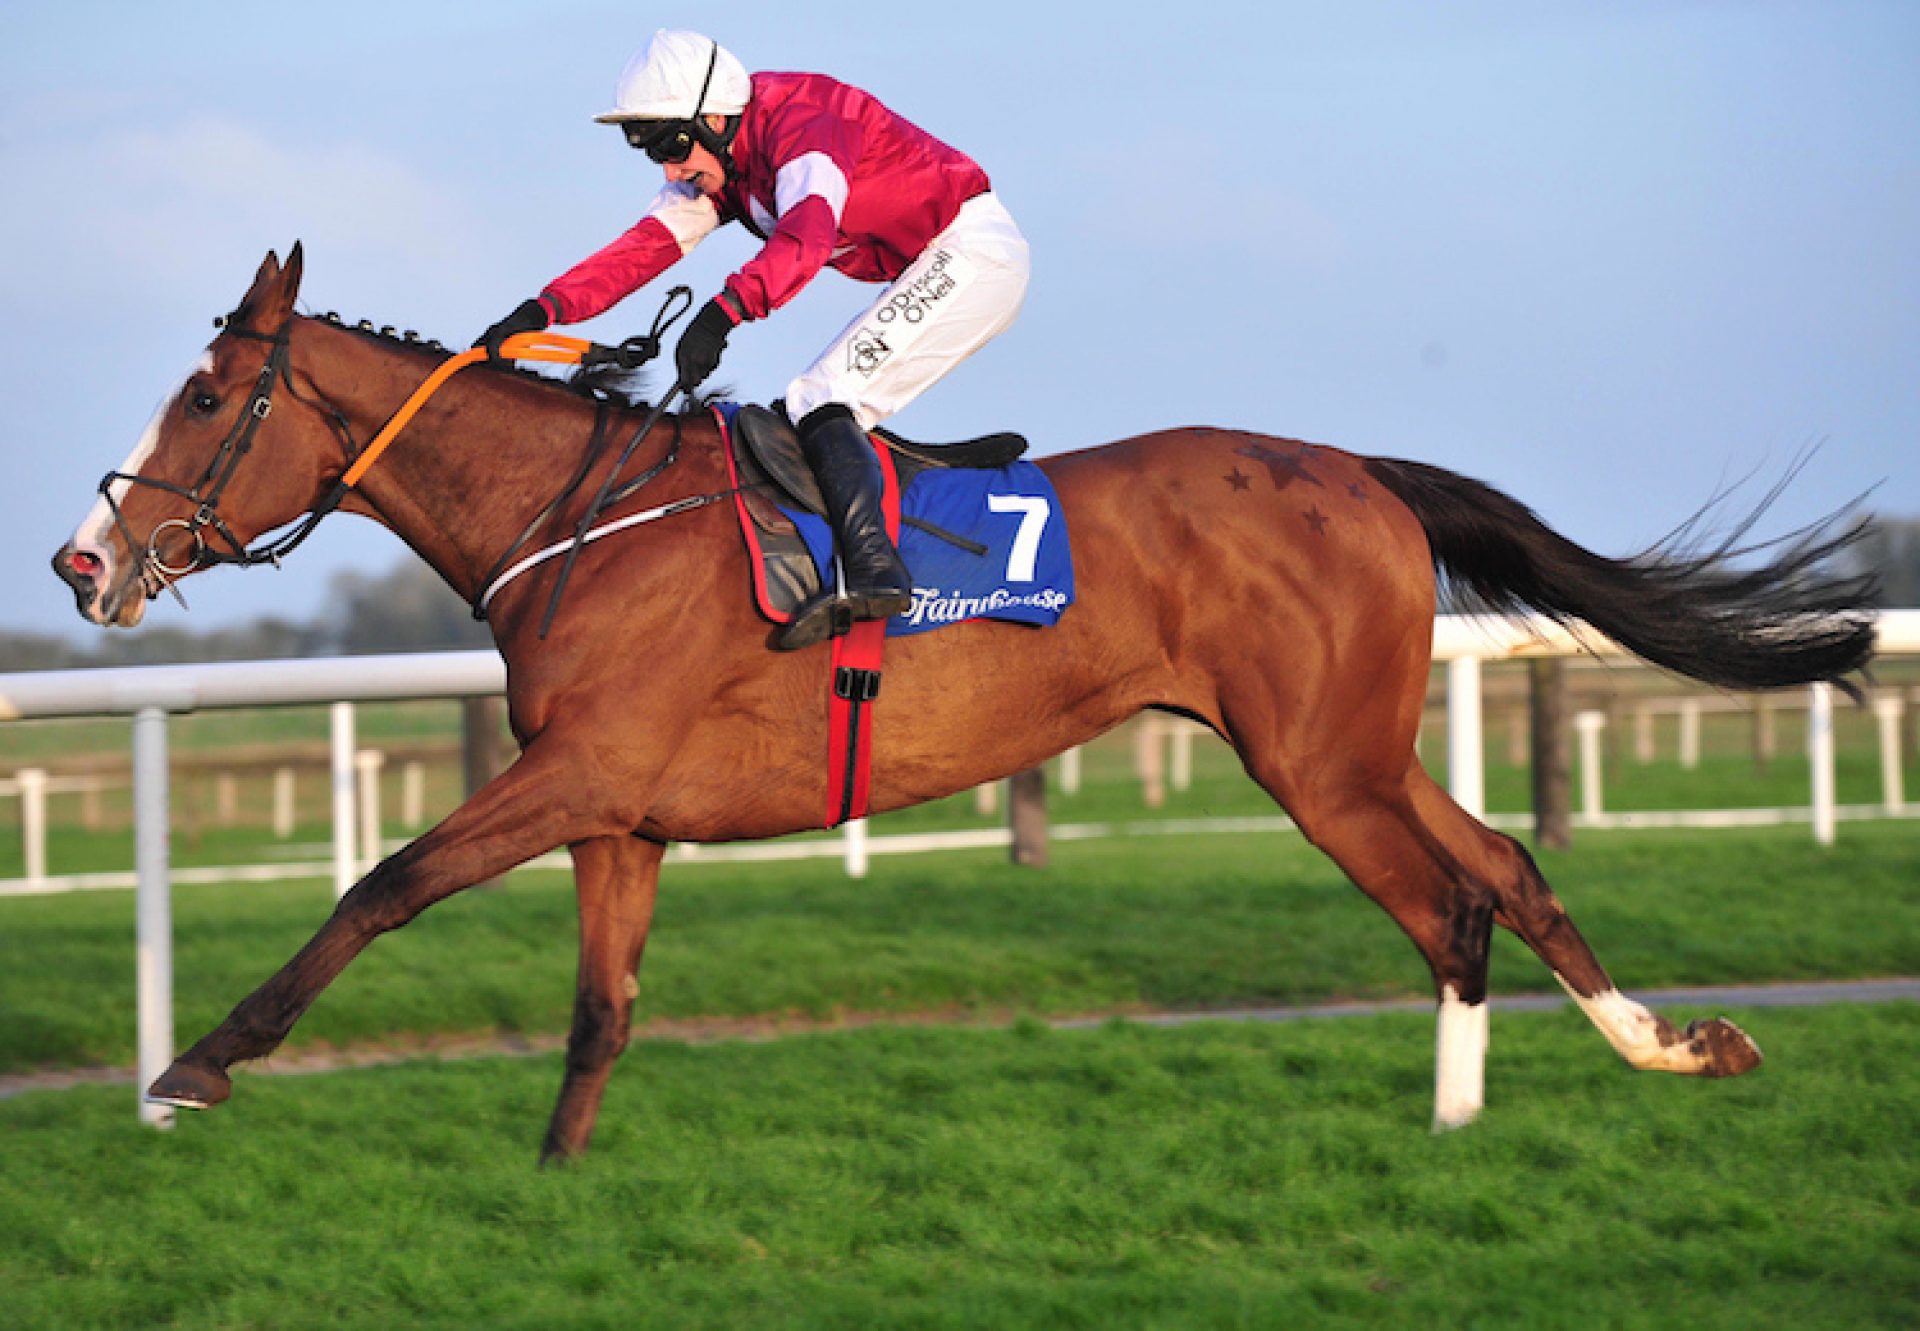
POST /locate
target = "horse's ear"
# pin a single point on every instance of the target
(268, 273)
(269, 301)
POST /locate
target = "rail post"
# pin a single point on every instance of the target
(1180, 763)
(153, 907)
(413, 794)
(1645, 747)
(341, 726)
(1893, 792)
(1820, 754)
(283, 802)
(1149, 761)
(1690, 733)
(855, 841)
(1027, 816)
(32, 782)
(1070, 771)
(1589, 725)
(986, 798)
(1466, 781)
(366, 770)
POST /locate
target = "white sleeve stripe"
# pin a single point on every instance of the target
(688, 215)
(809, 174)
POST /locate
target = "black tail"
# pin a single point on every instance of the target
(1789, 621)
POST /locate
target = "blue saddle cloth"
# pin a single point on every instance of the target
(1024, 573)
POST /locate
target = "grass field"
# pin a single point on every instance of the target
(1222, 1175)
(1232, 1176)
(1180, 922)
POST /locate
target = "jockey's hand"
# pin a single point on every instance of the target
(698, 354)
(529, 316)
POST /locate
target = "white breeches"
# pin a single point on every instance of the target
(950, 302)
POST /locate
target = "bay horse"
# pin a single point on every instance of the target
(1281, 593)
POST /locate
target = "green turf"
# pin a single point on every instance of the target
(1185, 922)
(1229, 1176)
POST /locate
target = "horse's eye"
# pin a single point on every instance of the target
(202, 403)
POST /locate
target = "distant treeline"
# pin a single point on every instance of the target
(1892, 547)
(410, 610)
(406, 610)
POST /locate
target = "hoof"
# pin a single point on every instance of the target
(1724, 1049)
(556, 1153)
(190, 1086)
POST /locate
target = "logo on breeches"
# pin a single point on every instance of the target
(867, 351)
(906, 310)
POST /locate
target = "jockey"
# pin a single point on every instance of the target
(826, 176)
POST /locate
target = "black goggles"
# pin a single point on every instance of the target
(666, 142)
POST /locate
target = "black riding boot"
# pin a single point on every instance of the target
(878, 585)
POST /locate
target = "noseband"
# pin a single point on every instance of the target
(205, 494)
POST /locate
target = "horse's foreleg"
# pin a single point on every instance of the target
(509, 821)
(616, 879)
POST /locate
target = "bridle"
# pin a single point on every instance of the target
(156, 571)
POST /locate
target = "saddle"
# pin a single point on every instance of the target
(764, 439)
(771, 470)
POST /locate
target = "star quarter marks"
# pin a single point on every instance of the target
(1283, 467)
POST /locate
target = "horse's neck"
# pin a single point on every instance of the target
(462, 480)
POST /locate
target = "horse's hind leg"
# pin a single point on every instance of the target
(1371, 830)
(1527, 906)
(616, 878)
(1446, 878)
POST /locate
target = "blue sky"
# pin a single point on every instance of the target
(1605, 257)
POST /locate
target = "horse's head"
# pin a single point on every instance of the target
(225, 458)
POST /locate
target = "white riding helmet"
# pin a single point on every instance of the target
(665, 81)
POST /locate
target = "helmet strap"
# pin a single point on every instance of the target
(719, 144)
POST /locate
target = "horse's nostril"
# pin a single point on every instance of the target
(86, 565)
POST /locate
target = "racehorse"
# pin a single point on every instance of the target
(1282, 594)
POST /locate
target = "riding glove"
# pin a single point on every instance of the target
(698, 354)
(529, 316)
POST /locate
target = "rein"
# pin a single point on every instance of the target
(572, 544)
(551, 348)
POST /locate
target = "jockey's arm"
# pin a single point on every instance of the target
(679, 218)
(810, 195)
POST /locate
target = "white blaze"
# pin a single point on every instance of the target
(91, 538)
